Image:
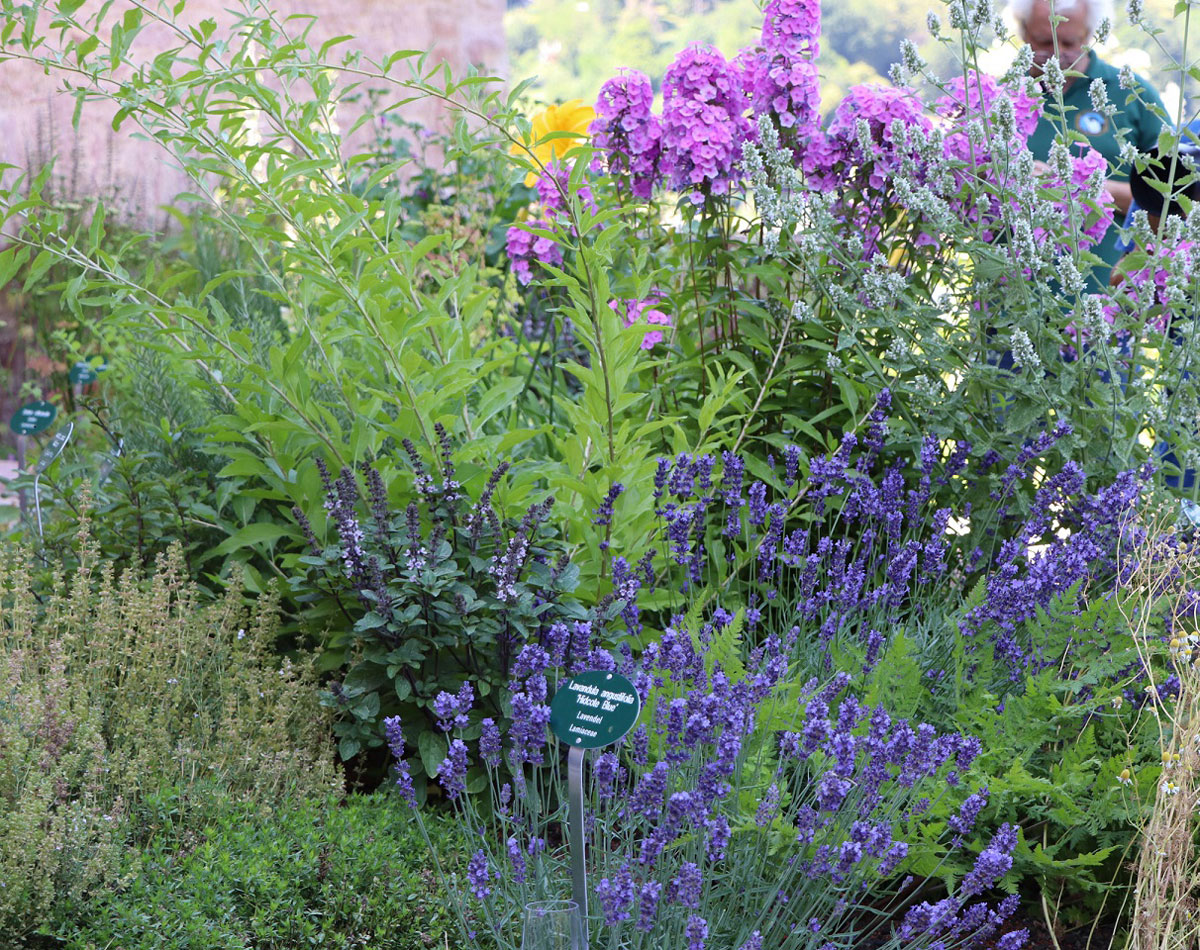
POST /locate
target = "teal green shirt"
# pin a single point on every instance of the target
(1141, 127)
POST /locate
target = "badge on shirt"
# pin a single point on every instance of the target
(1091, 123)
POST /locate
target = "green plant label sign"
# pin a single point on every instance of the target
(32, 418)
(594, 709)
(85, 372)
(52, 451)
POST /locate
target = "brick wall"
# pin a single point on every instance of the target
(35, 121)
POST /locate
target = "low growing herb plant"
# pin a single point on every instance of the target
(119, 687)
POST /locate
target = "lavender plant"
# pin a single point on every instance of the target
(770, 772)
(673, 861)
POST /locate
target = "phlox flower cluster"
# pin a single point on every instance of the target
(781, 73)
(868, 139)
(704, 123)
(1085, 192)
(985, 125)
(554, 184)
(627, 133)
(526, 247)
(643, 313)
(1165, 287)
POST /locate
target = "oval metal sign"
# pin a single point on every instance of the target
(32, 418)
(85, 372)
(594, 709)
(54, 449)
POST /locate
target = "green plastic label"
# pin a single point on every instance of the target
(594, 709)
(83, 373)
(32, 418)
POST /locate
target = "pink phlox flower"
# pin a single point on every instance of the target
(626, 132)
(553, 183)
(704, 123)
(524, 248)
(645, 311)
(888, 113)
(792, 27)
(1148, 289)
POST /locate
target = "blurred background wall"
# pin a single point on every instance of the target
(35, 121)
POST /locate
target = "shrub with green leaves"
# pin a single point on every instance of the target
(440, 595)
(346, 875)
(115, 688)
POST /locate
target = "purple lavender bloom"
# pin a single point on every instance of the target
(754, 942)
(687, 886)
(489, 743)
(968, 812)
(661, 473)
(556, 642)
(527, 734)
(648, 795)
(993, 863)
(452, 773)
(791, 465)
(445, 707)
(648, 905)
(696, 932)
(605, 774)
(395, 740)
(768, 806)
(617, 895)
(758, 503)
(516, 858)
(719, 835)
(479, 875)
(604, 513)
(733, 471)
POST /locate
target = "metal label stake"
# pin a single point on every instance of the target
(49, 454)
(575, 756)
(589, 711)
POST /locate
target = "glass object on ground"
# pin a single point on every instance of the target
(552, 925)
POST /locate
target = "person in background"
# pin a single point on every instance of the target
(1082, 106)
(1139, 184)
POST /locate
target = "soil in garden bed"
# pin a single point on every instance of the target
(1040, 937)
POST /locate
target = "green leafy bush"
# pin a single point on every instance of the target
(117, 687)
(342, 875)
(442, 594)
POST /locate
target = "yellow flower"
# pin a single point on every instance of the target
(572, 116)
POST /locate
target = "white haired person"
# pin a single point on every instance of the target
(1093, 103)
